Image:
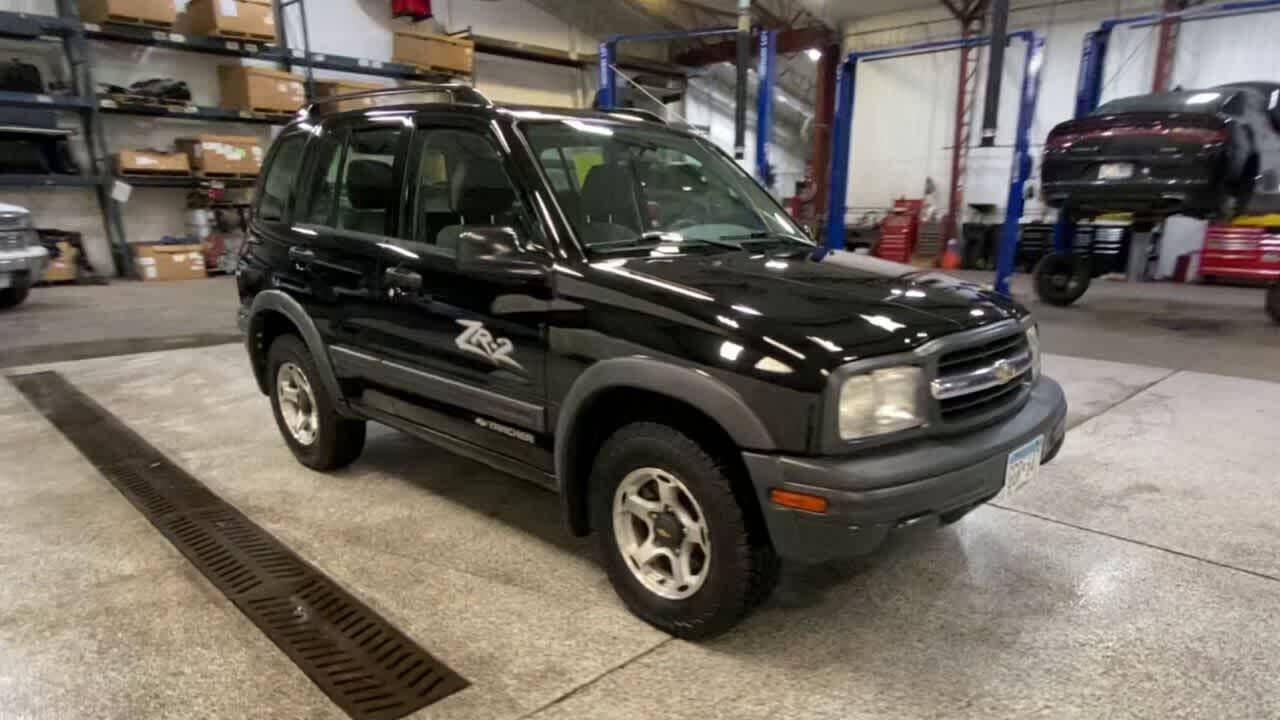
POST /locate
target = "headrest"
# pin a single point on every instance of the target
(370, 184)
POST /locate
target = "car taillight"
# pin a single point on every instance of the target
(1179, 133)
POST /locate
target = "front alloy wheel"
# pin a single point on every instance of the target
(683, 543)
(297, 403)
(662, 533)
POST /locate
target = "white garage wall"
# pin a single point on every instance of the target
(358, 28)
(904, 109)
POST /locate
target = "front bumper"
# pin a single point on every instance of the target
(871, 494)
(26, 265)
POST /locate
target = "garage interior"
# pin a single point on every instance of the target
(1137, 576)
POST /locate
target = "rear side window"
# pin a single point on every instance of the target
(369, 193)
(282, 171)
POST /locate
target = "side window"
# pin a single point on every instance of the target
(557, 169)
(322, 195)
(368, 193)
(461, 181)
(277, 190)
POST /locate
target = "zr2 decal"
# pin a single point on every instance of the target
(477, 340)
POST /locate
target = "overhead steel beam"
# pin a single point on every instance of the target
(789, 41)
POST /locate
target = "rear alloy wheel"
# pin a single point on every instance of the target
(1273, 302)
(1061, 278)
(683, 550)
(319, 437)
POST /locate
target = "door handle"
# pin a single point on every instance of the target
(401, 280)
(301, 254)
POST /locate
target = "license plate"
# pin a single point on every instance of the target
(5, 280)
(1115, 171)
(1023, 465)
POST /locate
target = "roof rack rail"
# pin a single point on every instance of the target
(447, 93)
(635, 114)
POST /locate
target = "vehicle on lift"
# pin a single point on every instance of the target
(706, 389)
(22, 257)
(1205, 153)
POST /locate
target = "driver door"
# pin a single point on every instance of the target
(468, 350)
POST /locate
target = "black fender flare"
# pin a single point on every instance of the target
(281, 302)
(712, 397)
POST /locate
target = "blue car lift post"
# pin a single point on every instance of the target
(1093, 60)
(767, 69)
(841, 139)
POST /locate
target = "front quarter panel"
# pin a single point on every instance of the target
(595, 324)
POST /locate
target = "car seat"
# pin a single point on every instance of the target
(481, 194)
(608, 206)
(370, 188)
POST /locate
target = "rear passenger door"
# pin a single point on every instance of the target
(349, 215)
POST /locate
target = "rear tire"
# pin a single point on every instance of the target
(319, 437)
(731, 565)
(13, 297)
(1273, 302)
(1061, 278)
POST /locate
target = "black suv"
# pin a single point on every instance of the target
(611, 308)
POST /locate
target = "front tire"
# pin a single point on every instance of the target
(319, 437)
(680, 548)
(13, 297)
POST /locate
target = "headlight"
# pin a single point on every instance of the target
(1033, 342)
(881, 401)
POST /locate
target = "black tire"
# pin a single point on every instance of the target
(1273, 303)
(1061, 278)
(743, 567)
(338, 440)
(13, 297)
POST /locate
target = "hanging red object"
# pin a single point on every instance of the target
(417, 9)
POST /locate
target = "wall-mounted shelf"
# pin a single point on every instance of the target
(54, 102)
(192, 181)
(192, 112)
(49, 181)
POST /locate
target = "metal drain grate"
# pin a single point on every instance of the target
(363, 663)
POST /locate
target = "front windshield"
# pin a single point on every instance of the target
(626, 187)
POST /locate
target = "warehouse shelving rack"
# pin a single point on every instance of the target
(77, 38)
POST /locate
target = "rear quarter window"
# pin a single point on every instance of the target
(280, 178)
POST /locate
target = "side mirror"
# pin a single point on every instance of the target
(494, 252)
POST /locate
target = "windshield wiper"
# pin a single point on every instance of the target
(654, 238)
(767, 235)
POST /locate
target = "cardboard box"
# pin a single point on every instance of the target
(434, 52)
(156, 13)
(334, 88)
(62, 268)
(169, 262)
(230, 18)
(254, 88)
(224, 154)
(148, 162)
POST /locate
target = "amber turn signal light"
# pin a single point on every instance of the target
(798, 501)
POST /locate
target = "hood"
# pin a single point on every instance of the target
(824, 308)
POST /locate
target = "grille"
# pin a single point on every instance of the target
(986, 400)
(12, 240)
(361, 661)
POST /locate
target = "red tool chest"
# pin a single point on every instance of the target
(899, 231)
(1240, 252)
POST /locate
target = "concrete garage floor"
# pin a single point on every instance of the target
(1139, 576)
